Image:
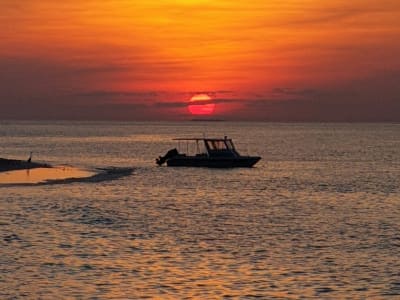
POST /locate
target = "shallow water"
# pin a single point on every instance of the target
(40, 175)
(318, 217)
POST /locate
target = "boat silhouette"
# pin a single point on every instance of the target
(210, 153)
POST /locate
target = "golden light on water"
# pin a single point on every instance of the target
(37, 175)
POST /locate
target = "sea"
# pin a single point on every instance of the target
(317, 218)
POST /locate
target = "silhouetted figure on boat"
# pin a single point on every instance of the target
(171, 153)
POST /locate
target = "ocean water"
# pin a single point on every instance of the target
(318, 217)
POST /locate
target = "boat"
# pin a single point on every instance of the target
(210, 153)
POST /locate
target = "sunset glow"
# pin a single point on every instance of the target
(120, 59)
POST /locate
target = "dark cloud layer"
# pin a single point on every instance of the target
(375, 99)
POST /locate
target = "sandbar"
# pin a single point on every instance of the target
(16, 164)
(17, 172)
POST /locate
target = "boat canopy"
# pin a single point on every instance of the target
(201, 139)
(214, 145)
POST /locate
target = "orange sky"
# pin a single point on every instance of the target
(261, 60)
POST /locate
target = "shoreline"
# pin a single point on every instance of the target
(14, 167)
(17, 164)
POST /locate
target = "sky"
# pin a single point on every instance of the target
(293, 60)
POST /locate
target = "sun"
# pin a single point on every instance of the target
(201, 104)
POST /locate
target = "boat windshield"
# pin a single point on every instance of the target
(229, 145)
(217, 145)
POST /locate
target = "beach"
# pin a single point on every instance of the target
(16, 164)
(20, 172)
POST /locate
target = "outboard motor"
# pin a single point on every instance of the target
(162, 159)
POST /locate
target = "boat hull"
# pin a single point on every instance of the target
(213, 162)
